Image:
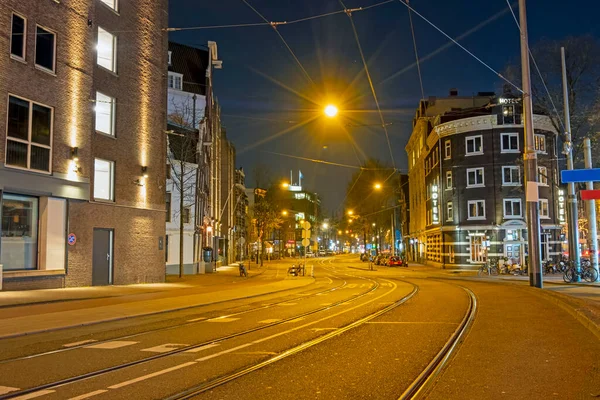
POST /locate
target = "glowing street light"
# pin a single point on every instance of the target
(284, 213)
(331, 111)
(285, 185)
(377, 186)
(325, 225)
(350, 212)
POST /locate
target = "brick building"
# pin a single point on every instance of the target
(82, 142)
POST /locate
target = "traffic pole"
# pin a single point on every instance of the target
(591, 208)
(572, 221)
(530, 161)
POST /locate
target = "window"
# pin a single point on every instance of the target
(170, 52)
(105, 114)
(45, 46)
(540, 143)
(449, 211)
(508, 114)
(19, 232)
(447, 150)
(18, 38)
(29, 135)
(111, 3)
(474, 145)
(544, 213)
(107, 50)
(510, 142)
(185, 214)
(448, 180)
(104, 180)
(511, 176)
(512, 208)
(476, 209)
(175, 81)
(168, 206)
(168, 171)
(543, 176)
(475, 177)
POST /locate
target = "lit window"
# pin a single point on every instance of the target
(107, 50)
(510, 142)
(104, 180)
(476, 209)
(18, 36)
(19, 238)
(105, 114)
(45, 46)
(111, 3)
(511, 176)
(543, 176)
(475, 177)
(544, 213)
(448, 180)
(512, 208)
(474, 145)
(540, 143)
(447, 150)
(29, 135)
(449, 211)
(175, 81)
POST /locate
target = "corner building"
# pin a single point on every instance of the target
(466, 178)
(82, 142)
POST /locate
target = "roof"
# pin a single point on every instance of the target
(192, 63)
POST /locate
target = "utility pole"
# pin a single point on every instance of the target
(591, 208)
(530, 161)
(573, 223)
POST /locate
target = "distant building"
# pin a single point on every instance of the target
(466, 182)
(82, 142)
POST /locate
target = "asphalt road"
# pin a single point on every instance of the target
(353, 333)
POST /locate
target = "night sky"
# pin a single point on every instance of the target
(256, 66)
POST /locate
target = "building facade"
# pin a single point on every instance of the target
(82, 149)
(466, 180)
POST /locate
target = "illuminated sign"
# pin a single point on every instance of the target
(503, 100)
(561, 206)
(434, 197)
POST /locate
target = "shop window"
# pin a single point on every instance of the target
(45, 48)
(107, 50)
(19, 232)
(18, 37)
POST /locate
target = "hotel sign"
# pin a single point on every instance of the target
(434, 197)
(561, 206)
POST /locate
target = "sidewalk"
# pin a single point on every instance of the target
(26, 312)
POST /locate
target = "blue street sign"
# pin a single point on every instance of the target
(580, 175)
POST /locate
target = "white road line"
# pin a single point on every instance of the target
(196, 319)
(34, 394)
(294, 320)
(323, 329)
(413, 322)
(88, 395)
(220, 319)
(152, 375)
(269, 321)
(111, 345)
(287, 304)
(199, 349)
(224, 352)
(79, 343)
(7, 389)
(326, 304)
(165, 348)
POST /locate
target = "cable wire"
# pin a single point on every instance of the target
(412, 29)
(461, 46)
(364, 61)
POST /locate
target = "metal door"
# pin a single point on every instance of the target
(102, 262)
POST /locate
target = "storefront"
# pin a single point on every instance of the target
(19, 232)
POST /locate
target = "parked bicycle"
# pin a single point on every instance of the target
(490, 267)
(585, 272)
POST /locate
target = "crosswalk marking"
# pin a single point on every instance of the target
(202, 348)
(7, 389)
(269, 321)
(222, 319)
(74, 344)
(164, 348)
(111, 345)
(88, 395)
(34, 394)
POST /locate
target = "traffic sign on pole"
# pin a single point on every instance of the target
(305, 242)
(580, 175)
(593, 194)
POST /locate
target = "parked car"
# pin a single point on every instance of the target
(397, 262)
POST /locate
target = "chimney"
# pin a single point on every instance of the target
(453, 92)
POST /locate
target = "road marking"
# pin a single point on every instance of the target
(326, 304)
(322, 294)
(352, 285)
(199, 349)
(323, 329)
(196, 319)
(294, 320)
(287, 304)
(269, 321)
(111, 345)
(74, 344)
(34, 394)
(224, 352)
(165, 348)
(152, 375)
(88, 395)
(385, 284)
(413, 322)
(222, 319)
(7, 389)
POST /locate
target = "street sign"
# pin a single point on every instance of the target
(305, 242)
(590, 194)
(580, 175)
(71, 239)
(305, 234)
(306, 225)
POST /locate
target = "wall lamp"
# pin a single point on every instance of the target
(75, 153)
(145, 172)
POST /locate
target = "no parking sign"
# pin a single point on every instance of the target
(71, 239)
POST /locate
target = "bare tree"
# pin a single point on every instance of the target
(266, 219)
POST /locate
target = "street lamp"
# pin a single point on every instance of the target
(377, 186)
(331, 111)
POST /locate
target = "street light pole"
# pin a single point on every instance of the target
(530, 161)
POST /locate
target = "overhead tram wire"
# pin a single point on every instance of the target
(362, 56)
(461, 46)
(327, 162)
(412, 29)
(537, 69)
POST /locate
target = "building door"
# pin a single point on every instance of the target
(477, 253)
(102, 261)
